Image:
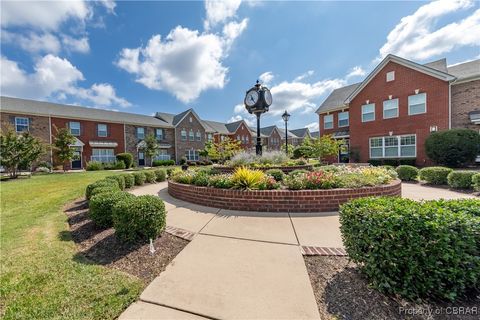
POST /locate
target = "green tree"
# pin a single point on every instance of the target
(453, 148)
(19, 150)
(322, 147)
(222, 151)
(290, 149)
(151, 147)
(210, 151)
(63, 146)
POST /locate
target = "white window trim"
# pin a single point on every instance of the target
(408, 102)
(28, 124)
(98, 130)
(79, 128)
(399, 137)
(198, 136)
(161, 136)
(191, 135)
(348, 119)
(398, 103)
(138, 135)
(390, 73)
(183, 137)
(374, 117)
(325, 122)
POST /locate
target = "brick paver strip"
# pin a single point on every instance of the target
(322, 251)
(181, 233)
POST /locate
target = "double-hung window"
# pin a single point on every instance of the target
(102, 130)
(343, 119)
(103, 155)
(159, 133)
(192, 155)
(390, 108)
(417, 104)
(393, 147)
(140, 133)
(191, 135)
(198, 136)
(209, 137)
(368, 112)
(74, 128)
(183, 135)
(328, 121)
(21, 124)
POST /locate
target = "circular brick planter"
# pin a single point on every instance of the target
(277, 200)
(285, 169)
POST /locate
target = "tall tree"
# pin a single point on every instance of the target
(151, 147)
(19, 150)
(63, 146)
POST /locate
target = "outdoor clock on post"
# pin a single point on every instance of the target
(257, 101)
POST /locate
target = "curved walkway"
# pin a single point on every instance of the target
(244, 265)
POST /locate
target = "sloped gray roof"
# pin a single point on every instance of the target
(315, 134)
(302, 132)
(215, 126)
(9, 104)
(440, 65)
(282, 133)
(465, 70)
(337, 98)
(232, 127)
(267, 131)
(254, 132)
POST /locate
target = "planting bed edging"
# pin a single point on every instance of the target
(285, 169)
(277, 200)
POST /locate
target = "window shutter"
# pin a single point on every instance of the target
(108, 130)
(12, 119)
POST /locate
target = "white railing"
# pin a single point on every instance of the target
(103, 159)
(162, 157)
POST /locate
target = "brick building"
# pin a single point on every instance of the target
(390, 114)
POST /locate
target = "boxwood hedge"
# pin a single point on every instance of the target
(476, 181)
(407, 173)
(120, 179)
(139, 178)
(129, 180)
(106, 183)
(150, 176)
(161, 175)
(460, 179)
(139, 218)
(416, 250)
(101, 206)
(434, 175)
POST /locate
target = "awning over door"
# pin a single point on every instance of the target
(103, 144)
(78, 144)
(142, 144)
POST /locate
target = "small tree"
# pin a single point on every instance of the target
(453, 148)
(221, 151)
(290, 149)
(322, 147)
(63, 146)
(210, 151)
(19, 150)
(151, 147)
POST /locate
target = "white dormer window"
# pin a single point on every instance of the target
(191, 119)
(390, 76)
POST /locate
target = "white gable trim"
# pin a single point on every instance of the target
(404, 62)
(191, 111)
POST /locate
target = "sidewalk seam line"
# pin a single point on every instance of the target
(214, 215)
(252, 240)
(294, 230)
(179, 309)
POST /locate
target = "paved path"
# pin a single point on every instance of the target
(243, 265)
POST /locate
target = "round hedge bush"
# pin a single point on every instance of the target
(101, 206)
(139, 218)
(277, 174)
(129, 180)
(108, 183)
(434, 175)
(100, 190)
(453, 148)
(127, 158)
(120, 179)
(460, 179)
(139, 178)
(476, 181)
(161, 175)
(150, 176)
(414, 249)
(407, 173)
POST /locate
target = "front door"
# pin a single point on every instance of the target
(343, 153)
(77, 160)
(141, 158)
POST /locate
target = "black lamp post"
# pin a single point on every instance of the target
(285, 117)
(257, 101)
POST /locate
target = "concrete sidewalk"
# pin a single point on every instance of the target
(243, 265)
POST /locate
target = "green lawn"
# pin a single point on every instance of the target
(40, 278)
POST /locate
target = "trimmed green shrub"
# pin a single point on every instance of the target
(407, 173)
(453, 148)
(201, 178)
(467, 206)
(161, 175)
(158, 163)
(127, 159)
(139, 177)
(413, 249)
(295, 181)
(460, 179)
(101, 205)
(476, 181)
(117, 165)
(150, 176)
(277, 174)
(434, 175)
(388, 166)
(183, 160)
(94, 166)
(129, 180)
(101, 190)
(109, 183)
(120, 179)
(139, 218)
(222, 181)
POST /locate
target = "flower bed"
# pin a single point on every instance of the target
(285, 169)
(322, 200)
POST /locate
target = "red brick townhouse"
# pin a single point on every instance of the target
(391, 113)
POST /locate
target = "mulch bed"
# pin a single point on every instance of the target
(343, 293)
(101, 246)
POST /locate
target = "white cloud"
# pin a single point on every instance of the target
(250, 122)
(32, 42)
(54, 77)
(313, 126)
(233, 29)
(415, 37)
(356, 71)
(266, 77)
(109, 5)
(219, 11)
(76, 45)
(304, 76)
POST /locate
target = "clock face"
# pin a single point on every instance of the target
(251, 98)
(268, 97)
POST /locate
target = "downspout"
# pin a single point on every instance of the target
(50, 137)
(175, 143)
(450, 105)
(124, 138)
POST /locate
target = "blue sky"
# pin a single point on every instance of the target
(168, 56)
